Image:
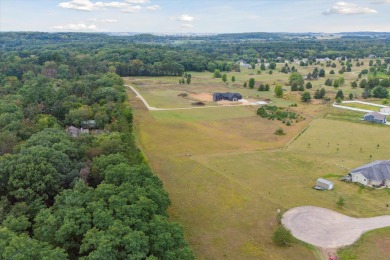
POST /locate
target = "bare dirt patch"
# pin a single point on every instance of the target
(204, 97)
(228, 103)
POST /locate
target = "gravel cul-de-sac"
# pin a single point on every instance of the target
(326, 228)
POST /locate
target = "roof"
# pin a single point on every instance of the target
(227, 94)
(377, 170)
(325, 181)
(376, 115)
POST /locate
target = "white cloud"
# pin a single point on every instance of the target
(348, 8)
(381, 2)
(111, 4)
(137, 1)
(187, 25)
(76, 27)
(127, 6)
(87, 5)
(82, 5)
(153, 7)
(132, 9)
(186, 18)
(108, 21)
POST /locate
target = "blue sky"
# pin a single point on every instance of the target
(198, 16)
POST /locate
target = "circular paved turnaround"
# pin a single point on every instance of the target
(329, 229)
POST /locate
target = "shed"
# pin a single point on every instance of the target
(325, 184)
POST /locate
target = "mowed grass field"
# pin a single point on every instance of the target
(227, 174)
(162, 92)
(362, 106)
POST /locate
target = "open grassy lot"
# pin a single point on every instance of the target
(372, 245)
(162, 92)
(362, 106)
(227, 173)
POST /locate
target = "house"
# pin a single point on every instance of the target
(324, 184)
(73, 131)
(226, 96)
(88, 124)
(375, 174)
(375, 117)
(244, 64)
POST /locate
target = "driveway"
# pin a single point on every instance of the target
(326, 228)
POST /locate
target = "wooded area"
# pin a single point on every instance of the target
(90, 196)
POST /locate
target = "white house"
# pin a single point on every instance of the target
(375, 174)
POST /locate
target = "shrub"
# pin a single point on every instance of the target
(282, 237)
(279, 131)
(340, 202)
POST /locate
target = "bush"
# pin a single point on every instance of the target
(279, 131)
(340, 202)
(282, 237)
(198, 103)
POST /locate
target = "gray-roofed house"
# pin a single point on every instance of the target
(375, 174)
(226, 96)
(375, 117)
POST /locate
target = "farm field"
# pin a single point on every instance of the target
(227, 173)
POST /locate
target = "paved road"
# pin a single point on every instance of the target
(138, 95)
(326, 228)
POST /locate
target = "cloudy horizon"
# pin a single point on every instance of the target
(194, 16)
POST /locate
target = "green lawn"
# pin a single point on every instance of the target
(227, 174)
(361, 106)
(162, 92)
(372, 245)
(204, 114)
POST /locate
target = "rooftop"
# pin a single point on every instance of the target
(377, 170)
(376, 115)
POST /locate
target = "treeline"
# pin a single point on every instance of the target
(137, 56)
(89, 196)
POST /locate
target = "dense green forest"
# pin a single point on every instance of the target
(149, 55)
(66, 195)
(72, 195)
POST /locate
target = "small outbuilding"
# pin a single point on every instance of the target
(375, 117)
(322, 184)
(226, 96)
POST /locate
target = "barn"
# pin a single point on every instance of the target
(226, 96)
